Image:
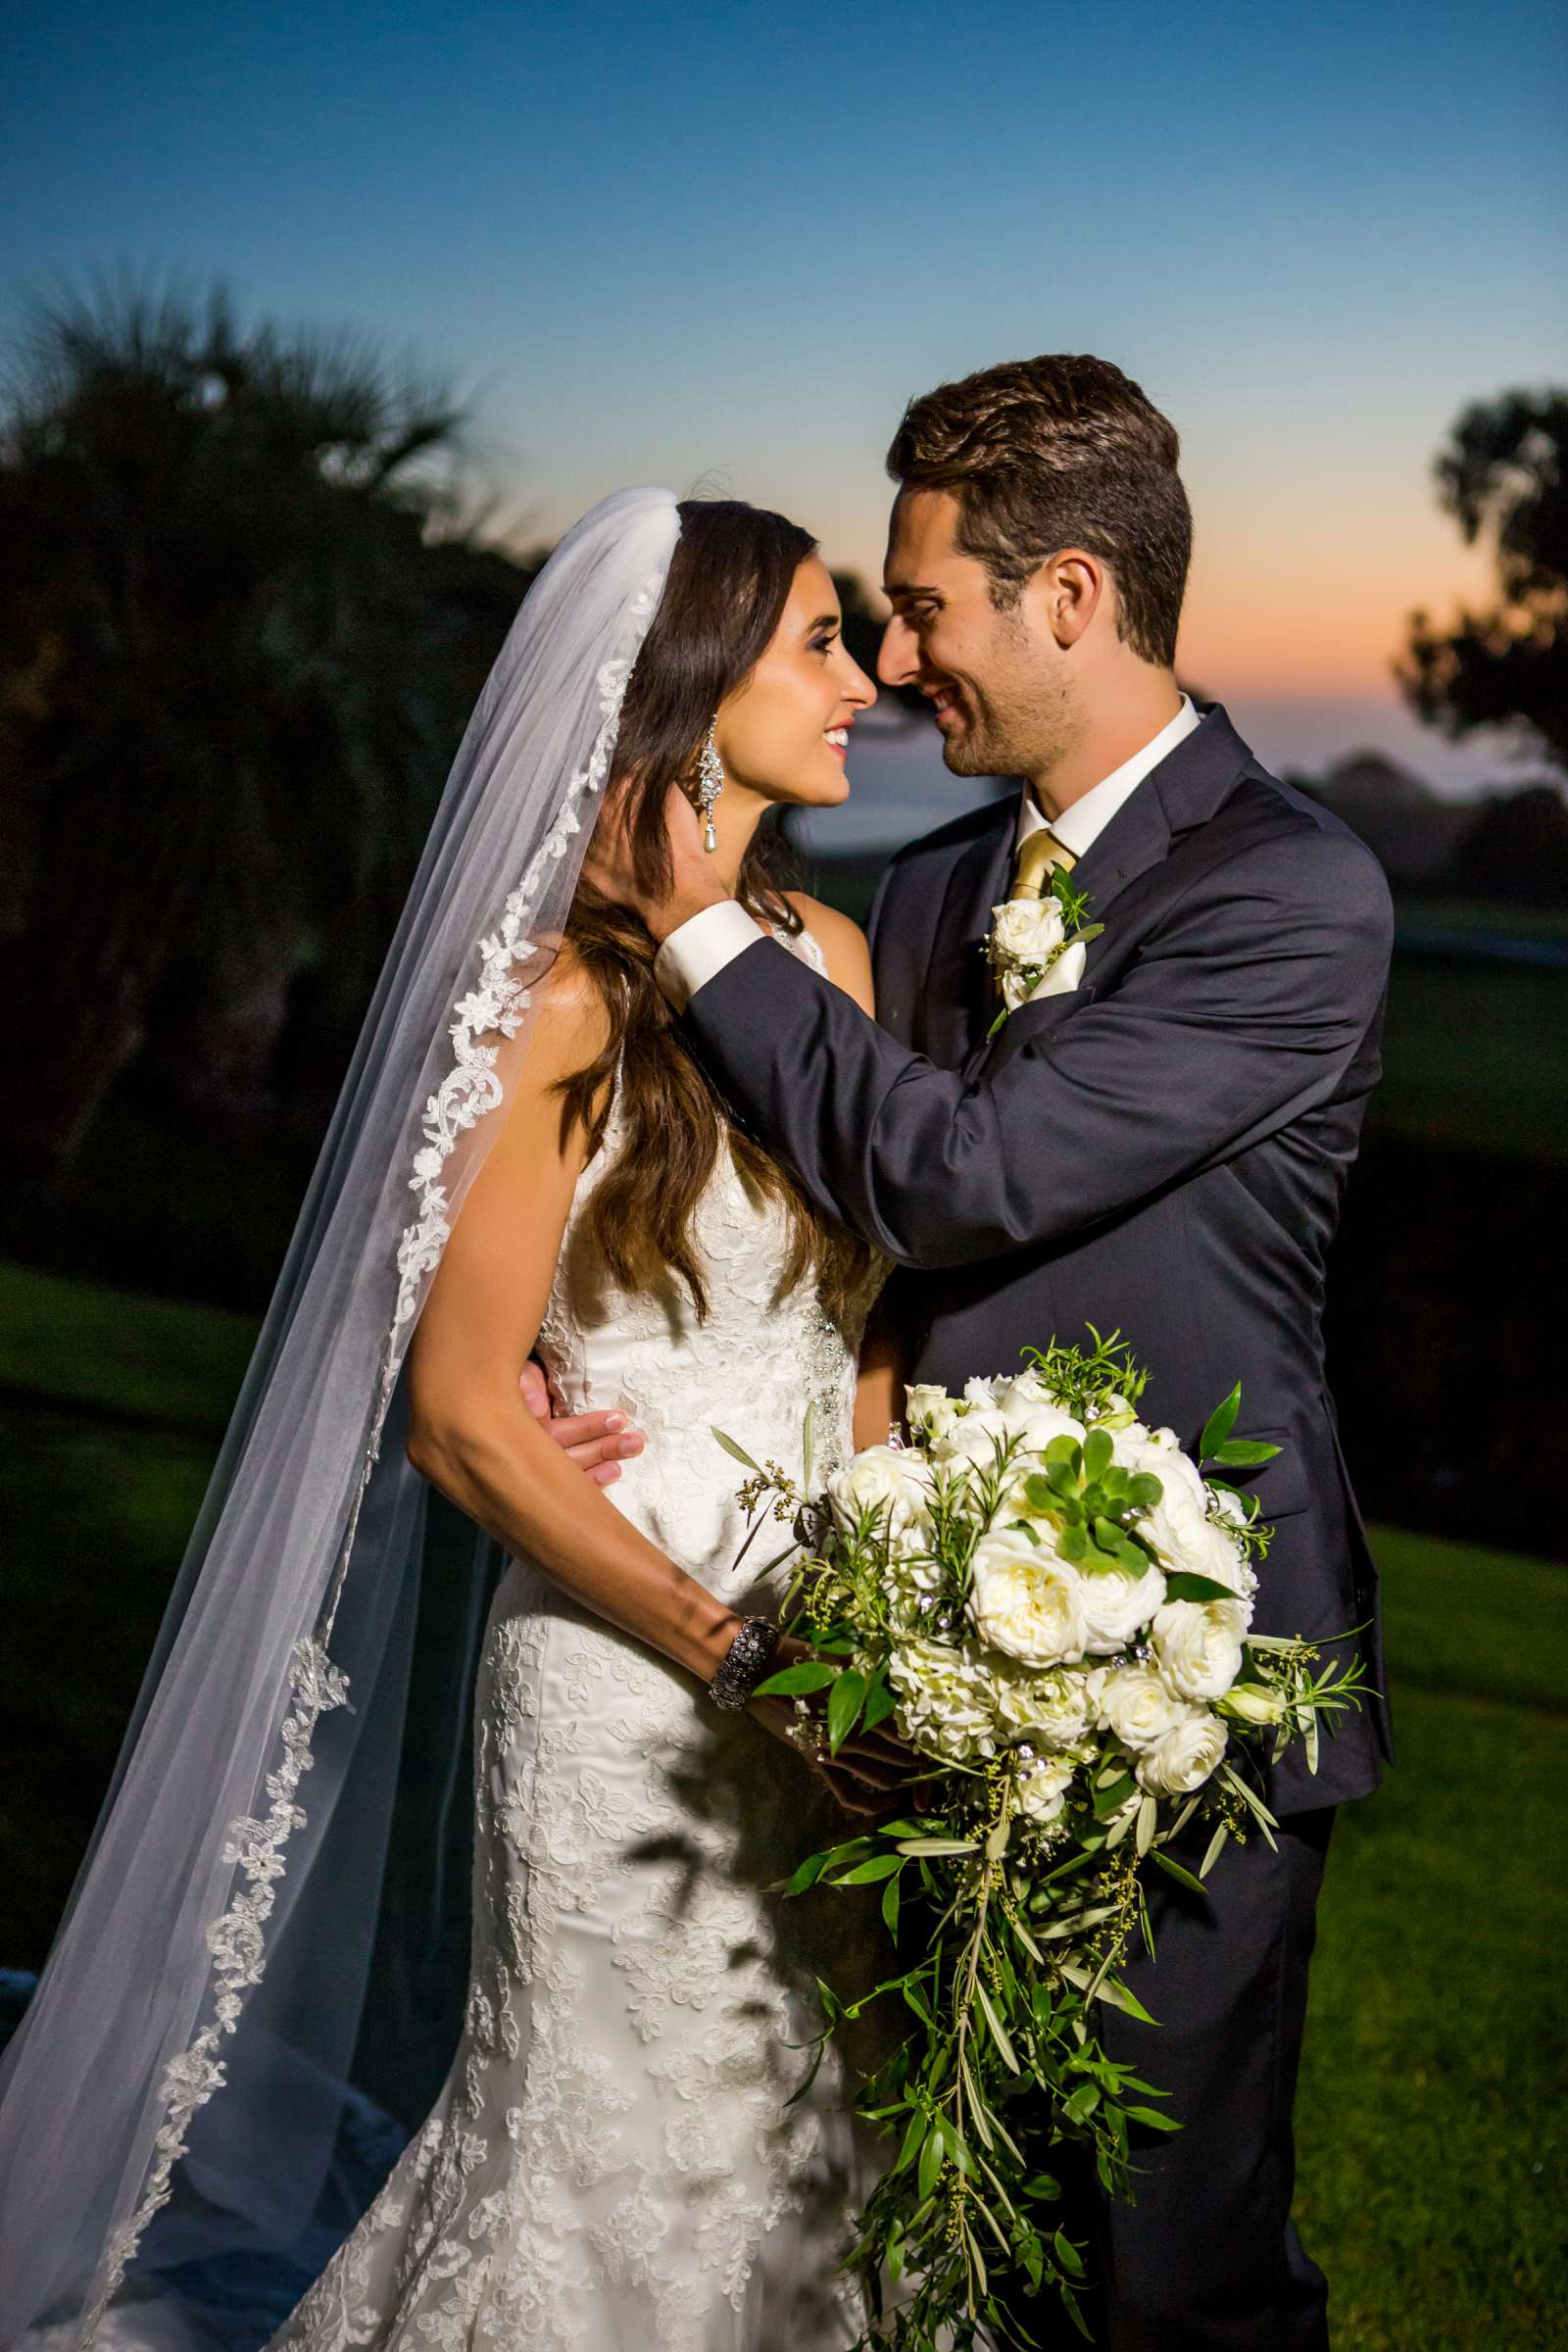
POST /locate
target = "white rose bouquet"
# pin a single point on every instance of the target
(1053, 1606)
(1038, 946)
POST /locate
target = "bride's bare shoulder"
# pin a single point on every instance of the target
(842, 945)
(574, 1021)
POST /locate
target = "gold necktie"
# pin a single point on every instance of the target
(1040, 853)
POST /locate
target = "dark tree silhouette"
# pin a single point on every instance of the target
(1504, 474)
(241, 626)
(1515, 849)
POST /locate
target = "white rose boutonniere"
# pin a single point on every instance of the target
(1037, 947)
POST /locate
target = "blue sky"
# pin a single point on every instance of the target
(729, 242)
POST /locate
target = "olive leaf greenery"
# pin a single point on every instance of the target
(1007, 1941)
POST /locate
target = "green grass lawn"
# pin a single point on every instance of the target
(1475, 1056)
(83, 1346)
(1431, 2118)
(1432, 2179)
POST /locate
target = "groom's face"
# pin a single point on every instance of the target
(994, 677)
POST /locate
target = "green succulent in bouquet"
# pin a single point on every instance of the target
(1053, 1604)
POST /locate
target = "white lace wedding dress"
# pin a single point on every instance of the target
(611, 2163)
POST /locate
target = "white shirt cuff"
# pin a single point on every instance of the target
(698, 951)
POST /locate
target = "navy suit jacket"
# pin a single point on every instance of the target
(1161, 1152)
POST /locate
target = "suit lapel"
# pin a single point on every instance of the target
(1183, 791)
(959, 1002)
(959, 998)
(1137, 837)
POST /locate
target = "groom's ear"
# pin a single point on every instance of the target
(1066, 594)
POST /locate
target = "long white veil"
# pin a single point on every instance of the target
(176, 2085)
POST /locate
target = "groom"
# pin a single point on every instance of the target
(1160, 1151)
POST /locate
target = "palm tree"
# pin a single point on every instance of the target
(240, 629)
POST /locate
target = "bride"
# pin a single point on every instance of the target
(614, 2159)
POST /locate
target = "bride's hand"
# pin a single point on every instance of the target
(872, 1773)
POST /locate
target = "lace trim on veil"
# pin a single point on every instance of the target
(255, 1845)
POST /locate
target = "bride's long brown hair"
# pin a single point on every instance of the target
(728, 583)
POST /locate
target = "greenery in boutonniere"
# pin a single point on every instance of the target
(1035, 947)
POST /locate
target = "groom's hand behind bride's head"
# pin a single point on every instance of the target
(620, 868)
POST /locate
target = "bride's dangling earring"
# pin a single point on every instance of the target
(710, 784)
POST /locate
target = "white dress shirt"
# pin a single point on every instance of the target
(698, 951)
(1077, 829)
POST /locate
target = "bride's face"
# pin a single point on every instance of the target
(784, 734)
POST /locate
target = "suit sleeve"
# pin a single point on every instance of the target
(879, 902)
(1240, 1012)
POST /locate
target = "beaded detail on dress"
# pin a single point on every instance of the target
(611, 2163)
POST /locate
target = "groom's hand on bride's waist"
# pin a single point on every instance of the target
(597, 1442)
(615, 869)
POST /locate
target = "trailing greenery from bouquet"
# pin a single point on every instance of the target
(1014, 1897)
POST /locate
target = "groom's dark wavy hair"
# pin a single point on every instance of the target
(1061, 451)
(728, 583)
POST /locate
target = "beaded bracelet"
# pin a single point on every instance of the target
(744, 1664)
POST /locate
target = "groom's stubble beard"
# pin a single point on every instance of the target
(1020, 720)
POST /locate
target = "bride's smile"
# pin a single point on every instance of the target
(783, 734)
(669, 1127)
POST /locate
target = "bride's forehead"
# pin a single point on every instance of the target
(813, 596)
(812, 582)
